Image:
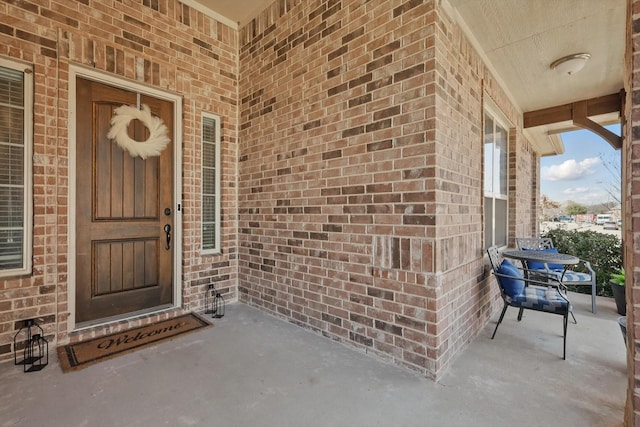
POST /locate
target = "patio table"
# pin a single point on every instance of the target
(542, 256)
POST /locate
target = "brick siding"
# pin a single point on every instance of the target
(631, 204)
(352, 163)
(360, 180)
(162, 43)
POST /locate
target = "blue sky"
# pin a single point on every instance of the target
(580, 173)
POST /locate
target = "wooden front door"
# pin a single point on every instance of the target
(124, 259)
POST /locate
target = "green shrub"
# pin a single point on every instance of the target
(603, 251)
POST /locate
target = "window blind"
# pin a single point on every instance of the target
(209, 183)
(12, 173)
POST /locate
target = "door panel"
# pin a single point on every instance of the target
(122, 263)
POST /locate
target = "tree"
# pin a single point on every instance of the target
(547, 207)
(613, 185)
(575, 209)
(547, 203)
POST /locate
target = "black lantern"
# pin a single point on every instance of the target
(218, 306)
(35, 353)
(208, 299)
(214, 302)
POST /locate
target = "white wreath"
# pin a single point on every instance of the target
(153, 146)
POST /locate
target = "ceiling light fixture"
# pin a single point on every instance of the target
(570, 64)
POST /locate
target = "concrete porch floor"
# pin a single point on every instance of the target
(252, 369)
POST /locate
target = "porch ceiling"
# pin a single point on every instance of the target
(519, 39)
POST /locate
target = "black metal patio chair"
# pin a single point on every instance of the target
(548, 296)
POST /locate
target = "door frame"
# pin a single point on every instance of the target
(75, 71)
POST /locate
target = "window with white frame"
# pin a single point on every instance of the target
(16, 124)
(496, 200)
(210, 183)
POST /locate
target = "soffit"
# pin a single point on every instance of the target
(240, 12)
(521, 38)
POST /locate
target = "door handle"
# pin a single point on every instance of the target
(167, 230)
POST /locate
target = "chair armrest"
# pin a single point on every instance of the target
(587, 265)
(528, 271)
(547, 274)
(550, 282)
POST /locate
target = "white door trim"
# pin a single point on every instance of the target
(101, 77)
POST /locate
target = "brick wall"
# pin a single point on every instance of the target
(360, 180)
(631, 204)
(359, 199)
(182, 51)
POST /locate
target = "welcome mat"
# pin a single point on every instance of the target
(85, 353)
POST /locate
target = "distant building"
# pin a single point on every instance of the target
(589, 218)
